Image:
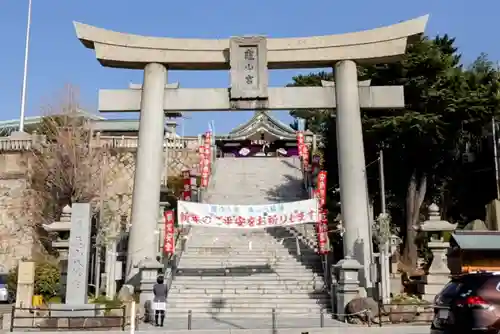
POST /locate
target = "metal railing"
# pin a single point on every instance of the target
(308, 186)
(67, 319)
(272, 319)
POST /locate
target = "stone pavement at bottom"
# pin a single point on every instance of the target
(215, 322)
(294, 325)
(315, 330)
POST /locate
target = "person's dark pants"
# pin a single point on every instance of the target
(159, 314)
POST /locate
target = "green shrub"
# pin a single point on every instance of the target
(55, 300)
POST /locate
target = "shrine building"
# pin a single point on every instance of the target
(262, 136)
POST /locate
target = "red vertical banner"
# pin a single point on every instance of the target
(186, 192)
(322, 226)
(300, 142)
(305, 156)
(207, 145)
(206, 160)
(168, 237)
(321, 190)
(201, 155)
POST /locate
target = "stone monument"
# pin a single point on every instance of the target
(248, 59)
(25, 284)
(24, 296)
(439, 273)
(78, 265)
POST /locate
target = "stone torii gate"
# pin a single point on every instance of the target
(248, 59)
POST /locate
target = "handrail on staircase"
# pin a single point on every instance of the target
(309, 187)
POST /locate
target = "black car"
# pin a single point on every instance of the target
(469, 303)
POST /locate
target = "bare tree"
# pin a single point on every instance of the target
(66, 169)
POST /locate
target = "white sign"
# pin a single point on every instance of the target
(247, 216)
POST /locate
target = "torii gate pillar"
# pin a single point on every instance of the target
(148, 169)
(352, 168)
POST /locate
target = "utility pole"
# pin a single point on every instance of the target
(495, 153)
(100, 225)
(385, 281)
(382, 181)
(25, 71)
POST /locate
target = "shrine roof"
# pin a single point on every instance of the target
(484, 240)
(262, 120)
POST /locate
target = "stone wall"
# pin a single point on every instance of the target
(180, 159)
(16, 238)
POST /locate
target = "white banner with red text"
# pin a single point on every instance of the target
(247, 216)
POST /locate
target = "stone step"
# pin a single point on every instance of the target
(220, 244)
(222, 271)
(301, 290)
(232, 293)
(253, 264)
(238, 262)
(250, 257)
(293, 299)
(307, 318)
(217, 304)
(285, 285)
(235, 271)
(241, 269)
(269, 281)
(196, 312)
(310, 317)
(242, 303)
(239, 292)
(262, 235)
(248, 260)
(246, 267)
(301, 277)
(245, 254)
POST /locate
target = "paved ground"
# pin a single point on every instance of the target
(242, 323)
(5, 308)
(330, 330)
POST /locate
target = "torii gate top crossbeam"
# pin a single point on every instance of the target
(121, 50)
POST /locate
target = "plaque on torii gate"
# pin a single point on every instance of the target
(248, 61)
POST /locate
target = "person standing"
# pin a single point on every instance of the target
(160, 300)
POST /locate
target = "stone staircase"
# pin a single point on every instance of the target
(248, 273)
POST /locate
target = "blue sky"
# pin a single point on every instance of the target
(57, 58)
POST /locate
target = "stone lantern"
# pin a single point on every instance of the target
(61, 231)
(348, 283)
(439, 273)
